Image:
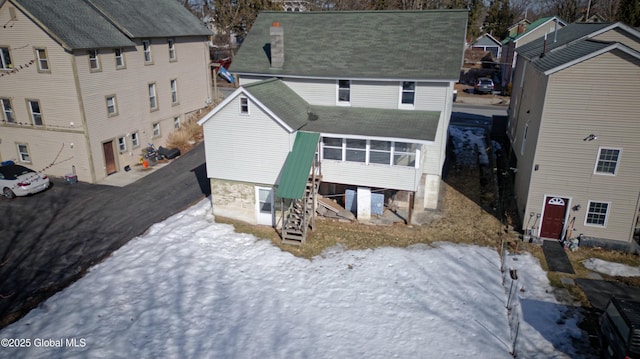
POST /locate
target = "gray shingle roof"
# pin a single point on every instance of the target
(90, 24)
(299, 115)
(564, 35)
(418, 45)
(570, 53)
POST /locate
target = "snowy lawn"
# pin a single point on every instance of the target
(192, 288)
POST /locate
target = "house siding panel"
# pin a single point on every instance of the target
(130, 86)
(617, 35)
(257, 144)
(358, 174)
(598, 96)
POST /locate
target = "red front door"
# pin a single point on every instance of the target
(109, 157)
(555, 209)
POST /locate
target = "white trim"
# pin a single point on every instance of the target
(375, 138)
(566, 214)
(595, 167)
(615, 25)
(240, 106)
(528, 32)
(260, 216)
(405, 106)
(613, 46)
(383, 79)
(342, 103)
(606, 215)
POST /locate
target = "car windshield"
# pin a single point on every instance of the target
(485, 82)
(13, 171)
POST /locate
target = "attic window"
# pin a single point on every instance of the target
(244, 106)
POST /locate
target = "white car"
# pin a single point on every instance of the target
(16, 180)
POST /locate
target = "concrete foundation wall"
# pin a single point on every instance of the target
(235, 200)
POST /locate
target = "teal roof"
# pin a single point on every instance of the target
(295, 172)
(568, 54)
(417, 45)
(339, 120)
(530, 28)
(93, 24)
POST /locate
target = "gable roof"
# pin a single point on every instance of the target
(93, 24)
(289, 109)
(534, 25)
(577, 52)
(568, 34)
(416, 45)
(487, 40)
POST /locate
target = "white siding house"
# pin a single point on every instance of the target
(379, 106)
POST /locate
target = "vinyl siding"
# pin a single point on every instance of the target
(130, 86)
(618, 35)
(358, 174)
(598, 96)
(49, 145)
(539, 32)
(246, 148)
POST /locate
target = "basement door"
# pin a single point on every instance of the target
(109, 157)
(555, 210)
(264, 205)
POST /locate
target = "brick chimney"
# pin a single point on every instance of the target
(277, 45)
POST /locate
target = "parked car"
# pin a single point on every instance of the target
(619, 329)
(483, 85)
(17, 180)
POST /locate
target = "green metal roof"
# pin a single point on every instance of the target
(84, 24)
(300, 115)
(295, 173)
(530, 28)
(418, 45)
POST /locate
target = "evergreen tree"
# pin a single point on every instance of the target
(629, 12)
(499, 18)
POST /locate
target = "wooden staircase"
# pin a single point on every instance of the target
(300, 215)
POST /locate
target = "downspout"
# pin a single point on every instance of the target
(83, 117)
(636, 214)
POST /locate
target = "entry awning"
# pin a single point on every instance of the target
(297, 166)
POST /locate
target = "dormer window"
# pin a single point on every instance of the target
(344, 92)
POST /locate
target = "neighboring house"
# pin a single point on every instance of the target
(521, 34)
(488, 43)
(518, 28)
(85, 85)
(350, 86)
(574, 129)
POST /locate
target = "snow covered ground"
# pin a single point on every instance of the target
(193, 288)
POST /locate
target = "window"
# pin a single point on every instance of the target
(244, 105)
(404, 154)
(5, 59)
(380, 152)
(344, 91)
(112, 109)
(174, 91)
(156, 129)
(153, 101)
(43, 61)
(23, 153)
(34, 111)
(370, 151)
(176, 122)
(7, 110)
(608, 161)
(146, 47)
(134, 140)
(524, 138)
(119, 58)
(122, 144)
(172, 49)
(408, 95)
(356, 150)
(597, 213)
(94, 62)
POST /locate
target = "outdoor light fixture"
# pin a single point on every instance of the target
(591, 137)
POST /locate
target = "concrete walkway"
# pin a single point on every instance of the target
(48, 241)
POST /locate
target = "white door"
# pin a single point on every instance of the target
(264, 205)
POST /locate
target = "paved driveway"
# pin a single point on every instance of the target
(47, 241)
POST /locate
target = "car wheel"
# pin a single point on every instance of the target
(7, 192)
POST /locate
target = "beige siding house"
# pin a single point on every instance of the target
(373, 122)
(521, 34)
(85, 85)
(574, 129)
